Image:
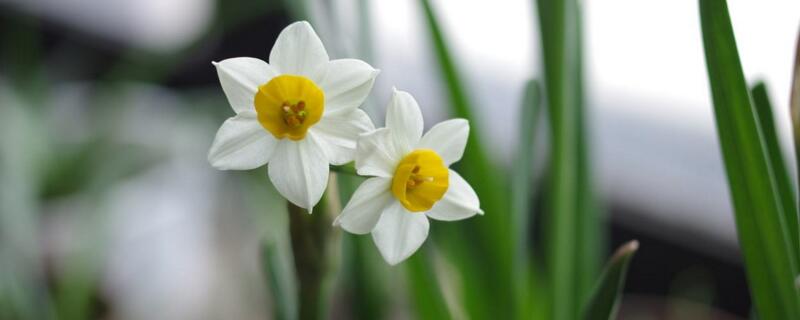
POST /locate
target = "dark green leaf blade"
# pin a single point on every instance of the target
(764, 110)
(763, 233)
(603, 303)
(572, 222)
(521, 193)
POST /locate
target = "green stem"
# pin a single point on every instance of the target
(312, 242)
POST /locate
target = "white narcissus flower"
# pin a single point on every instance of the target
(411, 183)
(299, 113)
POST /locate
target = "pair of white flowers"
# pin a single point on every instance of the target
(299, 114)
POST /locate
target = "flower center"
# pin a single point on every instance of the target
(288, 105)
(420, 180)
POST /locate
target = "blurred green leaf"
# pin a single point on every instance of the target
(75, 290)
(521, 193)
(21, 54)
(521, 180)
(276, 272)
(794, 108)
(484, 253)
(270, 217)
(369, 296)
(574, 240)
(764, 110)
(760, 216)
(425, 292)
(591, 224)
(362, 266)
(604, 300)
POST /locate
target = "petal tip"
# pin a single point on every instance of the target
(213, 161)
(219, 166)
(303, 24)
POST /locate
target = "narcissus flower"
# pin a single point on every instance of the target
(411, 183)
(299, 113)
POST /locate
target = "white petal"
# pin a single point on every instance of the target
(448, 139)
(361, 214)
(338, 135)
(376, 154)
(460, 201)
(404, 119)
(241, 144)
(298, 50)
(346, 85)
(399, 233)
(299, 170)
(240, 78)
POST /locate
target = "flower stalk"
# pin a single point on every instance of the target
(313, 244)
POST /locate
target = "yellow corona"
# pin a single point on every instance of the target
(288, 105)
(420, 180)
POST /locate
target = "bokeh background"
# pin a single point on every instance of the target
(108, 207)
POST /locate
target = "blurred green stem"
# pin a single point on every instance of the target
(312, 242)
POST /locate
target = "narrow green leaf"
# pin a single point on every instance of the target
(362, 267)
(277, 272)
(591, 224)
(758, 210)
(521, 180)
(764, 110)
(573, 224)
(604, 301)
(794, 108)
(426, 295)
(521, 193)
(485, 252)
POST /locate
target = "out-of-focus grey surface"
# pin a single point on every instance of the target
(157, 25)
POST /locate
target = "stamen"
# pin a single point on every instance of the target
(416, 179)
(294, 115)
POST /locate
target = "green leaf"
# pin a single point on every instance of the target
(362, 266)
(604, 300)
(482, 247)
(764, 235)
(763, 108)
(278, 272)
(425, 292)
(521, 193)
(794, 107)
(521, 180)
(574, 227)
